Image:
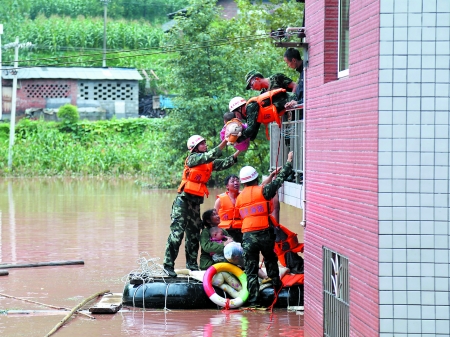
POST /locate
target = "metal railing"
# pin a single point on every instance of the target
(288, 138)
(336, 308)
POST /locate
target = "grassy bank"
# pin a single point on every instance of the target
(128, 147)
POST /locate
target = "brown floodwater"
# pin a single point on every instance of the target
(107, 224)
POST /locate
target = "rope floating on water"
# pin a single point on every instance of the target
(40, 264)
(74, 310)
(43, 304)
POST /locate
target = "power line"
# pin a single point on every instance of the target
(166, 50)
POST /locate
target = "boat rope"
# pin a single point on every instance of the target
(165, 298)
(278, 153)
(289, 295)
(275, 298)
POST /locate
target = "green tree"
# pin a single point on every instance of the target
(210, 70)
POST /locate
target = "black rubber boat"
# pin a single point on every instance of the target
(188, 293)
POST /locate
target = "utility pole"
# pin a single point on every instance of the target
(1, 74)
(12, 127)
(105, 6)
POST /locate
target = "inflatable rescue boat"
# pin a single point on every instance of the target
(197, 291)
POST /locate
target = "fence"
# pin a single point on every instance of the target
(288, 138)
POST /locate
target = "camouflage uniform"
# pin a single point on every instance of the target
(263, 241)
(278, 81)
(186, 213)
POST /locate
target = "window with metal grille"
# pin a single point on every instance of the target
(47, 90)
(336, 309)
(106, 91)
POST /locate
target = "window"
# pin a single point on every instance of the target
(336, 294)
(343, 38)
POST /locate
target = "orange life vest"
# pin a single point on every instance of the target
(195, 178)
(229, 214)
(289, 280)
(290, 244)
(267, 110)
(254, 209)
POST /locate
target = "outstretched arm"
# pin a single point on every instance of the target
(271, 188)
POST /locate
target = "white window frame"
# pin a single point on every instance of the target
(344, 72)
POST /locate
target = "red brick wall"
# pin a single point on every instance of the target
(341, 160)
(24, 101)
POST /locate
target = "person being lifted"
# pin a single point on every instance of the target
(258, 226)
(186, 208)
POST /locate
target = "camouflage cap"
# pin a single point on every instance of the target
(250, 75)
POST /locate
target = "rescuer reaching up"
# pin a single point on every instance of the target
(186, 208)
(258, 226)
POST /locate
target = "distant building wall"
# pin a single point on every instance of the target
(119, 98)
(341, 153)
(40, 93)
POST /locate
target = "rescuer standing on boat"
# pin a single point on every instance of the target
(254, 204)
(186, 208)
(225, 207)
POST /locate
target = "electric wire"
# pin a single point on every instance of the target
(166, 50)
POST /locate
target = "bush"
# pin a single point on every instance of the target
(68, 113)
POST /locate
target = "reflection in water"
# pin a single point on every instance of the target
(208, 323)
(107, 224)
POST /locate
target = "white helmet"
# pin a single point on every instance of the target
(235, 103)
(247, 174)
(193, 141)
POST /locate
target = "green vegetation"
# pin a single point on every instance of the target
(150, 10)
(68, 113)
(56, 34)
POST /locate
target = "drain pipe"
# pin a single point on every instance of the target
(305, 70)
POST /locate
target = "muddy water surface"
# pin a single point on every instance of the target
(107, 224)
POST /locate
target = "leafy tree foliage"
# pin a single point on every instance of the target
(210, 70)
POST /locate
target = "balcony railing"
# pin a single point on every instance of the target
(288, 138)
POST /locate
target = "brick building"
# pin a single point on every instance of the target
(376, 168)
(98, 93)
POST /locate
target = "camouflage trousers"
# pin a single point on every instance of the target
(185, 218)
(253, 243)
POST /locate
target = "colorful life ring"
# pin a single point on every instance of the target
(211, 293)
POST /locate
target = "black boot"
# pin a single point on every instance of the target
(170, 271)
